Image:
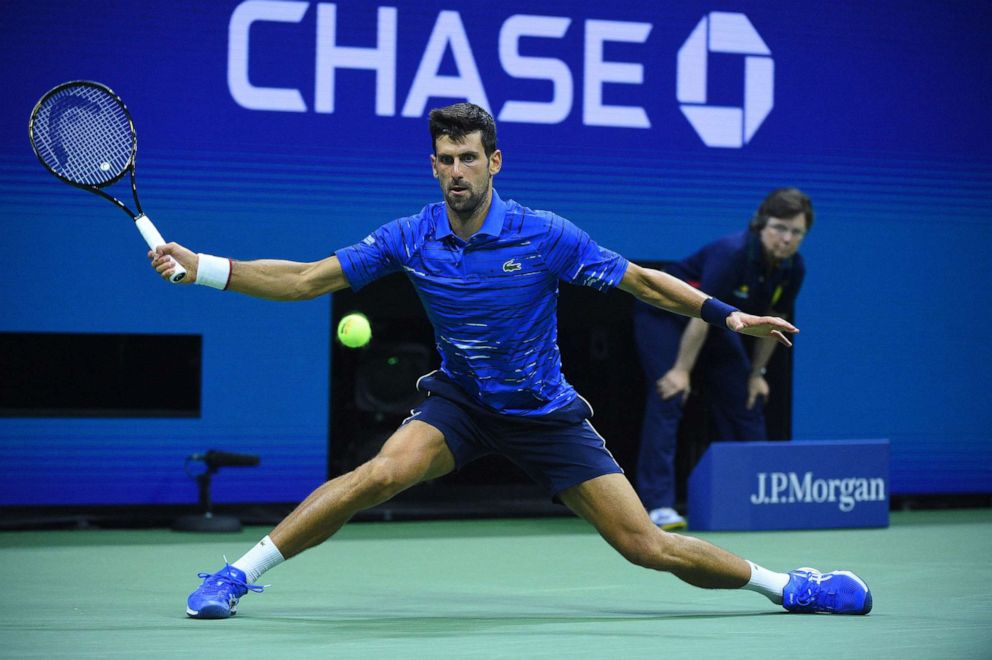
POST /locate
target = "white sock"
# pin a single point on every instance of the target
(262, 557)
(767, 582)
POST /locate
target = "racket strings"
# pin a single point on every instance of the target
(84, 135)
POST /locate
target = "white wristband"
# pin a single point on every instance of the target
(213, 271)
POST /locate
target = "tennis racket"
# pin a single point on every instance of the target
(83, 134)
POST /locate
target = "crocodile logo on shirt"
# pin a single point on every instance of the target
(511, 266)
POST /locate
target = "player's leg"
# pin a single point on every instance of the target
(610, 504)
(416, 452)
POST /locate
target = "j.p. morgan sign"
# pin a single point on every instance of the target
(791, 485)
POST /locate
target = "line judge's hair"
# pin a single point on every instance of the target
(783, 203)
(458, 120)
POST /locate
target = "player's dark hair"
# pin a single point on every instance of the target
(458, 120)
(783, 203)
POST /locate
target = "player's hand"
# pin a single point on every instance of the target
(757, 388)
(673, 383)
(164, 259)
(761, 326)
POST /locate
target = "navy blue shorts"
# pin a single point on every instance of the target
(557, 450)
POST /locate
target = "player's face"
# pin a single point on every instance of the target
(781, 236)
(464, 172)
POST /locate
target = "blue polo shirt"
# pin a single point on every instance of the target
(733, 269)
(492, 299)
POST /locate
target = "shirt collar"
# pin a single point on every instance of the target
(491, 226)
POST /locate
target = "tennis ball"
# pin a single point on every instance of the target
(354, 330)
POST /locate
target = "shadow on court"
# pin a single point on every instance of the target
(374, 624)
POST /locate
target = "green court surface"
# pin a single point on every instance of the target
(532, 588)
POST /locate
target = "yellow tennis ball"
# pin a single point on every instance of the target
(354, 330)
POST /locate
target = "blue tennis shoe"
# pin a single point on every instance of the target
(217, 597)
(838, 592)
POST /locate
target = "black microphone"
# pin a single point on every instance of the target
(218, 459)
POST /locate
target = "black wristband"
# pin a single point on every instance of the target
(715, 312)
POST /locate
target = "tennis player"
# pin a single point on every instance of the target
(487, 272)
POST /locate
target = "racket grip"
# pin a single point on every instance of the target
(154, 240)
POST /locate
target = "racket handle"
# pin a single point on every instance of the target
(154, 240)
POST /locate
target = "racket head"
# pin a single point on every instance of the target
(82, 133)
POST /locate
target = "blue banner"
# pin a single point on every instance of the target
(290, 128)
(749, 486)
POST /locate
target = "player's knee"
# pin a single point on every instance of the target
(648, 549)
(384, 477)
(379, 476)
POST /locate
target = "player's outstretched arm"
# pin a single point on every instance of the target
(271, 279)
(662, 290)
(670, 293)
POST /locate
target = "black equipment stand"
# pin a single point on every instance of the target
(206, 521)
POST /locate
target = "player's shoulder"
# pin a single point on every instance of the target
(427, 216)
(421, 223)
(404, 236)
(534, 222)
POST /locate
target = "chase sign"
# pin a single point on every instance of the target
(578, 79)
(722, 126)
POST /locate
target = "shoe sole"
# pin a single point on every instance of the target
(217, 612)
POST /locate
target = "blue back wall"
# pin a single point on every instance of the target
(878, 110)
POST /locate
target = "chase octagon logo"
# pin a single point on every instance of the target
(723, 126)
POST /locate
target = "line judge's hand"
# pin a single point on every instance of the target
(164, 259)
(673, 383)
(772, 327)
(757, 390)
